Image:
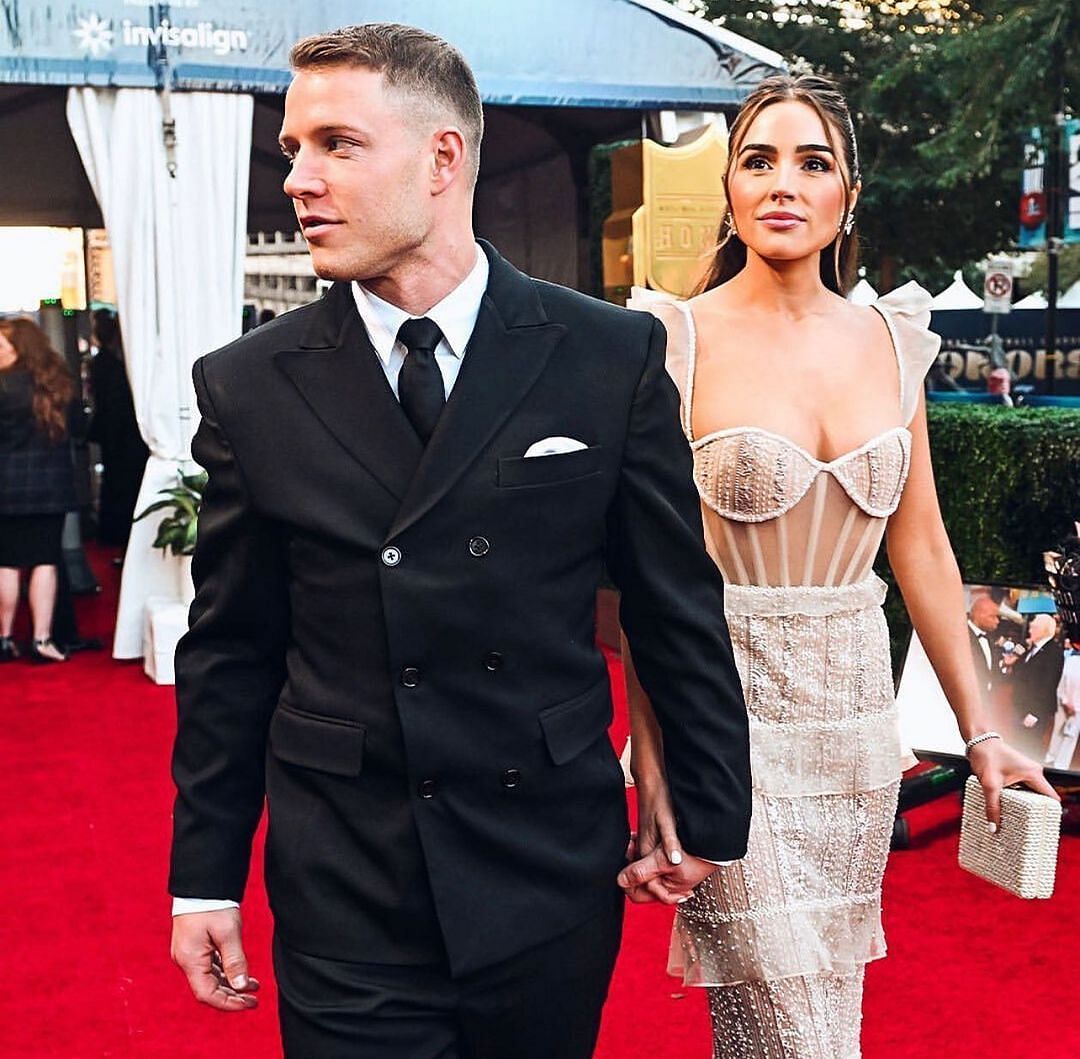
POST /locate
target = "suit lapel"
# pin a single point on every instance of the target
(509, 348)
(338, 373)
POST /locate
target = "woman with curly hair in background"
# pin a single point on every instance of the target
(37, 482)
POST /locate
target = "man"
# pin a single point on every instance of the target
(1036, 677)
(413, 487)
(983, 620)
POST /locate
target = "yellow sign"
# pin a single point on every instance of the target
(683, 203)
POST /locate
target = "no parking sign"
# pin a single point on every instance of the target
(998, 286)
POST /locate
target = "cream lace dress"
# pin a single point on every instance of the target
(780, 938)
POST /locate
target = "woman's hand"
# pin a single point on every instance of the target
(662, 872)
(998, 765)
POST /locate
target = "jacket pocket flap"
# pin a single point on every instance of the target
(569, 727)
(329, 744)
(547, 470)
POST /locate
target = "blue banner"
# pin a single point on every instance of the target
(1033, 193)
(1071, 196)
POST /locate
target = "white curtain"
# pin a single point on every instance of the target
(178, 251)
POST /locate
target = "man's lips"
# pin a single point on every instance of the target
(315, 225)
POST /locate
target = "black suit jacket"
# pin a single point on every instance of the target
(1037, 678)
(397, 645)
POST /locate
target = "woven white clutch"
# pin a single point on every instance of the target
(1022, 856)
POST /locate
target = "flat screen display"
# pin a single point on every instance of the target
(1028, 673)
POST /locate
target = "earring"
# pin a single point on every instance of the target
(850, 223)
(728, 223)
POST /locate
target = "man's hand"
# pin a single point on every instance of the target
(655, 877)
(206, 946)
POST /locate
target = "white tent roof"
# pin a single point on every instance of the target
(862, 294)
(1036, 300)
(957, 295)
(1071, 298)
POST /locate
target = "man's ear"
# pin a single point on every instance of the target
(448, 158)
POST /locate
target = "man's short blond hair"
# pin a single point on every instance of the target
(412, 61)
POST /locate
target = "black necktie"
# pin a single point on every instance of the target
(420, 384)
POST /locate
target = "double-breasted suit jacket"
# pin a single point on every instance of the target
(395, 645)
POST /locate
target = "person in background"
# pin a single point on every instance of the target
(265, 316)
(37, 480)
(116, 430)
(1036, 677)
(1067, 722)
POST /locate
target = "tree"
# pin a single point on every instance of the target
(931, 201)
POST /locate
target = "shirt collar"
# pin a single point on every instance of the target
(456, 314)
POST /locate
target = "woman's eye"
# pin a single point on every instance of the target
(756, 161)
(818, 165)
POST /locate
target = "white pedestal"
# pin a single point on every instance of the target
(165, 623)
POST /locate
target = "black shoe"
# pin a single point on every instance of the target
(37, 651)
(9, 651)
(90, 643)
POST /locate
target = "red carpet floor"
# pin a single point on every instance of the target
(84, 929)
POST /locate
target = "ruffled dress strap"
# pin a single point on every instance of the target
(678, 321)
(906, 311)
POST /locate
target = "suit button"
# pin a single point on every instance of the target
(410, 676)
(511, 778)
(391, 556)
(426, 789)
(479, 547)
(493, 661)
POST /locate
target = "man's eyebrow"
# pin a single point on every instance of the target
(324, 130)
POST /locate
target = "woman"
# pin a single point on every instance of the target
(806, 420)
(36, 479)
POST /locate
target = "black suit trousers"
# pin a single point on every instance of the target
(543, 1003)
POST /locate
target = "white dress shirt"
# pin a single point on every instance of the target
(456, 316)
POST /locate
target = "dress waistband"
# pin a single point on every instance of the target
(818, 600)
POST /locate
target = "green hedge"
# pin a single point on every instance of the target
(1008, 480)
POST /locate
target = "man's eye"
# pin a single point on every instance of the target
(336, 143)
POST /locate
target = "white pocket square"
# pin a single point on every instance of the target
(553, 446)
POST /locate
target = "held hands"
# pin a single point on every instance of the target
(206, 946)
(663, 871)
(998, 765)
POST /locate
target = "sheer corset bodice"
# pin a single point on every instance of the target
(774, 514)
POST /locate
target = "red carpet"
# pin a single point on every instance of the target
(84, 933)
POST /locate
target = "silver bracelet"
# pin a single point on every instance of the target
(975, 740)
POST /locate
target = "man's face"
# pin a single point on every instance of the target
(360, 176)
(984, 614)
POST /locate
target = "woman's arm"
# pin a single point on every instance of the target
(662, 871)
(926, 571)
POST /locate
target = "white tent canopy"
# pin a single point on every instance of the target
(1071, 298)
(957, 295)
(178, 252)
(1036, 300)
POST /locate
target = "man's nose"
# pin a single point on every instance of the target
(303, 180)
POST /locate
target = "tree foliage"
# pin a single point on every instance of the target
(941, 91)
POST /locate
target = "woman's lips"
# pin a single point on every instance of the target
(781, 222)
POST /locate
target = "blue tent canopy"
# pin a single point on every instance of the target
(626, 54)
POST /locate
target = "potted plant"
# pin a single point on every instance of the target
(177, 531)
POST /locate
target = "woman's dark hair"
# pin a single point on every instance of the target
(52, 382)
(839, 260)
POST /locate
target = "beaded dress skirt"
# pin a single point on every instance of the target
(780, 938)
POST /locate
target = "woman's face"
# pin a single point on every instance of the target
(7, 350)
(787, 194)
